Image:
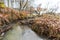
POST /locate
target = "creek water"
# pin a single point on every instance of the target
(20, 32)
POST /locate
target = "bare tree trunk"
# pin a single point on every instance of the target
(21, 3)
(8, 3)
(25, 4)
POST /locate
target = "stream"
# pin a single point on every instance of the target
(20, 32)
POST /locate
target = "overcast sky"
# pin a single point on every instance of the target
(50, 3)
(45, 3)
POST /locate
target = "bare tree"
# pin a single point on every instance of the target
(24, 4)
(38, 9)
(53, 9)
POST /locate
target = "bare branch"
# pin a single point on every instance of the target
(25, 4)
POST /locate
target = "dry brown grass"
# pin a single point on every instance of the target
(47, 25)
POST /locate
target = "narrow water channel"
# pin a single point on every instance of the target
(20, 32)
